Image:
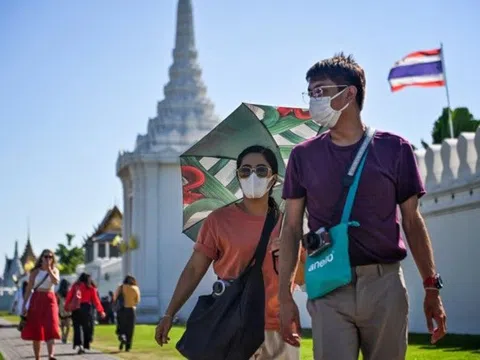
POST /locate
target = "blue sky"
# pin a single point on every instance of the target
(79, 80)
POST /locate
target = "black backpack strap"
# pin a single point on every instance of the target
(262, 246)
(261, 250)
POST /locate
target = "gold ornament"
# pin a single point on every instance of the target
(133, 243)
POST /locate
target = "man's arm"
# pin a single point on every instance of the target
(421, 249)
(290, 237)
(417, 237)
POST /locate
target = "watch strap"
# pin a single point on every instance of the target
(433, 282)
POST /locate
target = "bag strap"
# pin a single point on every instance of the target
(265, 238)
(41, 282)
(352, 178)
(261, 250)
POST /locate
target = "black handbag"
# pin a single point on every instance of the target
(231, 326)
(119, 301)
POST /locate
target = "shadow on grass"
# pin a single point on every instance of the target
(451, 342)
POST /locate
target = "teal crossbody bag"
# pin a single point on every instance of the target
(331, 268)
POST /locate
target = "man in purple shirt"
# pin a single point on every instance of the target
(371, 313)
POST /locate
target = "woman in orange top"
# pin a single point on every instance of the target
(222, 241)
(82, 317)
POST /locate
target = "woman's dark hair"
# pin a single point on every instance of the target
(269, 155)
(24, 287)
(63, 288)
(86, 279)
(130, 280)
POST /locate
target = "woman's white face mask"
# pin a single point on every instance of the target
(255, 187)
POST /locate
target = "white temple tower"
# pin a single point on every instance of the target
(152, 183)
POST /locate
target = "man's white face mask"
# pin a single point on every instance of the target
(322, 112)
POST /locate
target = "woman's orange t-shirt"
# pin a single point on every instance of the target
(229, 236)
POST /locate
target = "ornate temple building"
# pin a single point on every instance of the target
(103, 253)
(28, 256)
(102, 242)
(151, 179)
(13, 269)
(18, 265)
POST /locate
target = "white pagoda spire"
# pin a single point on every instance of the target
(186, 113)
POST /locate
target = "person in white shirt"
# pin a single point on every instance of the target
(18, 299)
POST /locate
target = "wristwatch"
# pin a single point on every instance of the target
(434, 282)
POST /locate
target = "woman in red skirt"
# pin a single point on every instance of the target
(42, 317)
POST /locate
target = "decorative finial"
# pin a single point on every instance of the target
(28, 229)
(184, 37)
(15, 254)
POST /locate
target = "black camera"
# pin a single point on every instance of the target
(316, 242)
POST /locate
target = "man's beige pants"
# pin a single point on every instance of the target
(370, 314)
(274, 348)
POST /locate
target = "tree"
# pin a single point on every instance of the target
(462, 120)
(69, 257)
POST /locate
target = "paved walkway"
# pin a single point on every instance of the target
(14, 348)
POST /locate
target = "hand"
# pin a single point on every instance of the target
(103, 315)
(434, 310)
(162, 330)
(290, 321)
(24, 310)
(275, 244)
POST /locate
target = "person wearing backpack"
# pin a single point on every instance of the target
(17, 305)
(80, 299)
(126, 298)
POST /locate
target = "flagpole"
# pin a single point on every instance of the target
(450, 120)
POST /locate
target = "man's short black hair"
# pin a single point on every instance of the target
(342, 70)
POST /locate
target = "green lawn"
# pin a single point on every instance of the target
(453, 347)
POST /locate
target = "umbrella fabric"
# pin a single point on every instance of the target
(209, 167)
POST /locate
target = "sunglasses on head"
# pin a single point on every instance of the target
(245, 171)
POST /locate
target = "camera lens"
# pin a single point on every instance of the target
(312, 241)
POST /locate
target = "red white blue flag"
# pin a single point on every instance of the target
(421, 68)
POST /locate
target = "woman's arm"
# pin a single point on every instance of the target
(137, 292)
(28, 290)
(96, 301)
(191, 276)
(54, 275)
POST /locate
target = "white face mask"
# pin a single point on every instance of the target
(322, 112)
(254, 187)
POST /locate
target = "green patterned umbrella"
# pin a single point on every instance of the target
(209, 167)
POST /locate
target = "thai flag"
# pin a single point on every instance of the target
(421, 68)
